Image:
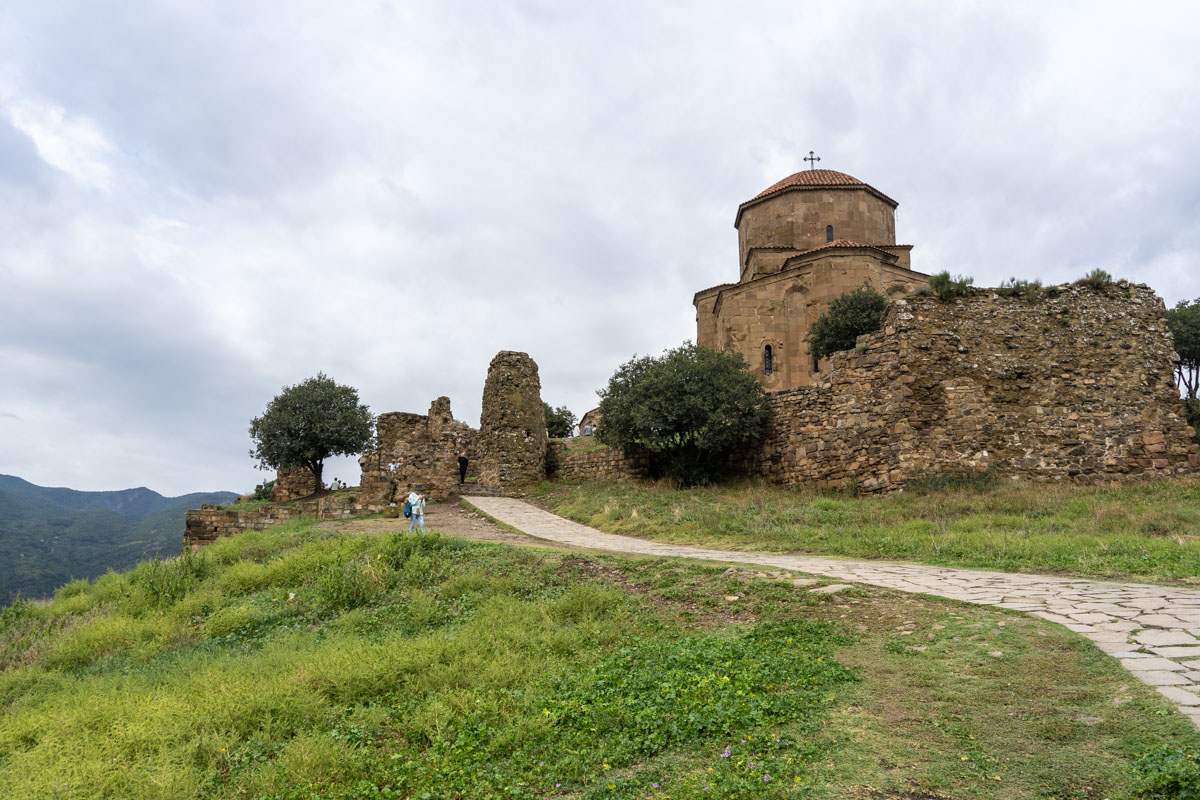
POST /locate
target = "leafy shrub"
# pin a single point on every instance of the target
(197, 604)
(353, 583)
(1167, 773)
(584, 602)
(947, 288)
(848, 317)
(165, 582)
(1015, 287)
(1096, 279)
(229, 620)
(691, 408)
(100, 637)
(71, 589)
(18, 609)
(263, 490)
(244, 577)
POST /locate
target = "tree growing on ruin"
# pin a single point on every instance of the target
(848, 317)
(559, 421)
(690, 408)
(309, 422)
(1184, 323)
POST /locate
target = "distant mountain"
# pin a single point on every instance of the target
(50, 535)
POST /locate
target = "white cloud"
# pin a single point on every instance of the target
(72, 143)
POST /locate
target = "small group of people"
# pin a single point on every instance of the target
(333, 487)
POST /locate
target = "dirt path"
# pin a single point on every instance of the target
(448, 518)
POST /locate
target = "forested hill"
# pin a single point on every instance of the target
(50, 535)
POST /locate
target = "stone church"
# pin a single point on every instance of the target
(802, 243)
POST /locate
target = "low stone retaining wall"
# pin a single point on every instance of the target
(209, 523)
(594, 464)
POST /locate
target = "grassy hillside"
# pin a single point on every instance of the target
(1146, 532)
(296, 663)
(50, 535)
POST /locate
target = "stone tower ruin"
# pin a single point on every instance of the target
(512, 427)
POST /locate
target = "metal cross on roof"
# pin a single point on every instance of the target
(813, 159)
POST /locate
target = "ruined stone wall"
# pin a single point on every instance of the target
(597, 463)
(512, 427)
(1075, 385)
(208, 523)
(418, 449)
(292, 485)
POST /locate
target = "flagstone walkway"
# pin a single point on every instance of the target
(1153, 630)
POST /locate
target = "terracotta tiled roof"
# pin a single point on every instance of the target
(812, 177)
(836, 243)
(709, 289)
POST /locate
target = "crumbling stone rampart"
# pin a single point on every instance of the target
(1074, 385)
(596, 463)
(417, 449)
(292, 485)
(512, 427)
(204, 525)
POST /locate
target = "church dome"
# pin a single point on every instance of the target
(811, 180)
(812, 177)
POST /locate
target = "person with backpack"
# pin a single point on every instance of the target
(414, 509)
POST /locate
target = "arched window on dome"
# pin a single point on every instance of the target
(829, 233)
(768, 360)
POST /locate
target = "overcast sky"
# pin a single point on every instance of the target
(204, 202)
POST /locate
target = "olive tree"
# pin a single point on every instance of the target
(689, 408)
(1184, 323)
(309, 422)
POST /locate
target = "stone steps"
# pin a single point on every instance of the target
(475, 490)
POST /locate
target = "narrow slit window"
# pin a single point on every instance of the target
(768, 360)
(829, 233)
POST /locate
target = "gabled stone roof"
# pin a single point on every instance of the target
(711, 288)
(837, 243)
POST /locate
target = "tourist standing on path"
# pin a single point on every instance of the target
(417, 501)
(462, 469)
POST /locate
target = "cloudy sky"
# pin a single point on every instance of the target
(204, 202)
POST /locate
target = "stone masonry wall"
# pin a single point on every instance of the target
(208, 523)
(417, 449)
(292, 485)
(1075, 385)
(594, 464)
(512, 426)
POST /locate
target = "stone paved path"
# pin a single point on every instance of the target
(1153, 630)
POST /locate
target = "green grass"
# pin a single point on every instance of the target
(293, 663)
(1148, 531)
